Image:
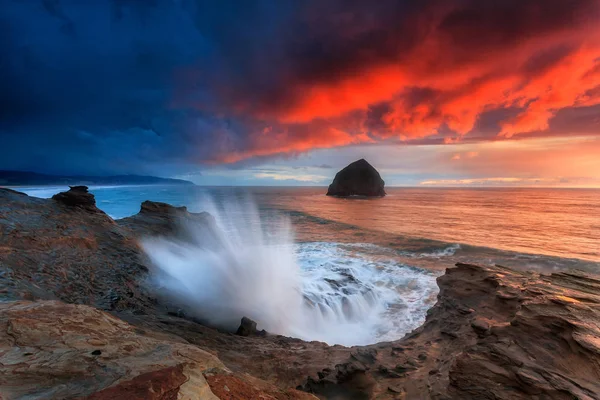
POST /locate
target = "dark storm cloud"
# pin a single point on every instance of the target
(153, 86)
(97, 99)
(336, 41)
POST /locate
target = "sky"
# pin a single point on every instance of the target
(286, 92)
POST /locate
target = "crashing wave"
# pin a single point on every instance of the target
(248, 265)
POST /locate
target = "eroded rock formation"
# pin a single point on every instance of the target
(66, 249)
(357, 179)
(159, 219)
(494, 333)
(53, 350)
(77, 196)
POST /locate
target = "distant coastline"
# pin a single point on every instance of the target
(26, 178)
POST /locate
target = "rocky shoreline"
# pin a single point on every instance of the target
(79, 320)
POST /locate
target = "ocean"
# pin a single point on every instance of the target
(364, 269)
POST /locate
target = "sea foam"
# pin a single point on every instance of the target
(247, 264)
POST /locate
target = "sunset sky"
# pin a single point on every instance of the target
(286, 92)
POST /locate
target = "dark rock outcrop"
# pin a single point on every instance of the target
(247, 327)
(357, 179)
(160, 219)
(77, 196)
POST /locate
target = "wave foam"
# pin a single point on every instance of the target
(246, 265)
(445, 252)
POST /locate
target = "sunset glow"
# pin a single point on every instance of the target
(491, 86)
(300, 199)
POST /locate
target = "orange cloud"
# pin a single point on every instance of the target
(541, 73)
(432, 70)
(469, 154)
(569, 83)
(566, 161)
(287, 140)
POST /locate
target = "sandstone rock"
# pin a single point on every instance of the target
(49, 251)
(77, 196)
(63, 248)
(480, 326)
(161, 219)
(544, 344)
(49, 349)
(55, 350)
(357, 179)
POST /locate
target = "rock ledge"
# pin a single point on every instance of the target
(77, 196)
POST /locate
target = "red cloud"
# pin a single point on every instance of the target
(429, 69)
(287, 140)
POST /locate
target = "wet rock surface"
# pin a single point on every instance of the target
(159, 219)
(494, 333)
(542, 341)
(357, 179)
(77, 196)
(49, 349)
(65, 249)
(247, 327)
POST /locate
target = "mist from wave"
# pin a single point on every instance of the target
(248, 265)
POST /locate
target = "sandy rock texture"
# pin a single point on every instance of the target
(494, 333)
(49, 349)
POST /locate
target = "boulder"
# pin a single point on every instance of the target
(77, 196)
(357, 179)
(161, 219)
(247, 327)
(157, 207)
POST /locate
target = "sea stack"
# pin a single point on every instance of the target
(357, 179)
(77, 196)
